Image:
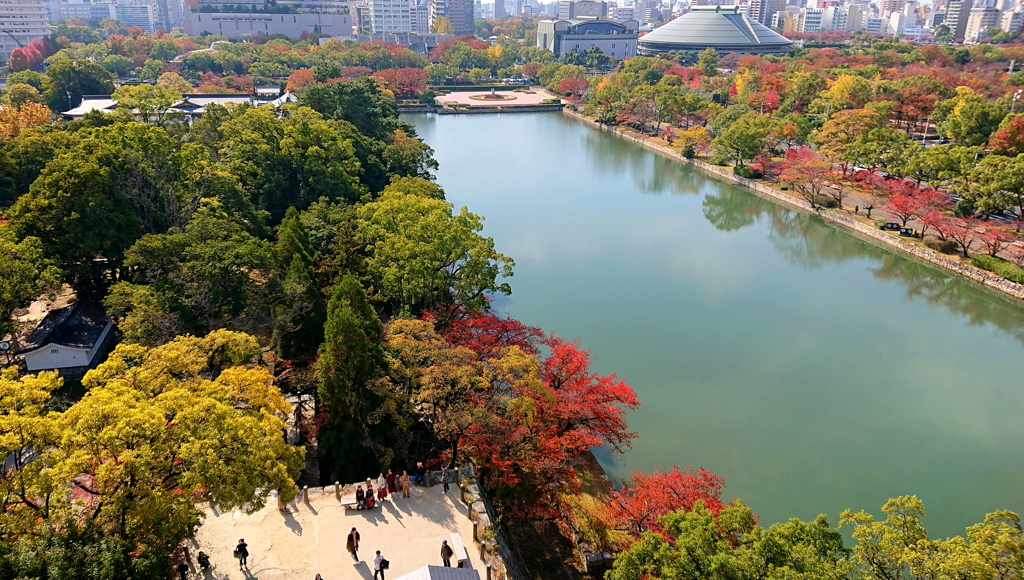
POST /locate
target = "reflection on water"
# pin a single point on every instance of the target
(805, 240)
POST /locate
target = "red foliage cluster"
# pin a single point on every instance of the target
(27, 57)
(533, 432)
(645, 497)
(487, 334)
(906, 201)
(445, 45)
(404, 82)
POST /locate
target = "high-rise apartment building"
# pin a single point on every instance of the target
(1012, 21)
(763, 10)
(810, 20)
(21, 22)
(892, 5)
(461, 14)
(421, 17)
(390, 16)
(956, 17)
(979, 21)
(582, 10)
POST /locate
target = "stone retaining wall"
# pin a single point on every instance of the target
(861, 230)
(477, 110)
(497, 550)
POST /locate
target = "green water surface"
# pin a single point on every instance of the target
(812, 370)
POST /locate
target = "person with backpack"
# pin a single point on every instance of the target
(379, 565)
(446, 554)
(242, 553)
(445, 476)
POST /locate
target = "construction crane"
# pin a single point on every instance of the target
(14, 38)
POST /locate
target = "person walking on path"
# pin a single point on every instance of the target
(446, 554)
(405, 484)
(382, 488)
(352, 545)
(445, 474)
(242, 553)
(378, 566)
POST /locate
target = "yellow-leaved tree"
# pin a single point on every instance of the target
(118, 475)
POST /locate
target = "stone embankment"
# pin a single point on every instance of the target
(861, 230)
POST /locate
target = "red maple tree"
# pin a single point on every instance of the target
(1009, 139)
(487, 334)
(996, 239)
(645, 497)
(963, 231)
(532, 434)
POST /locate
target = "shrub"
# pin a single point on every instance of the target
(427, 97)
(943, 246)
(689, 152)
(964, 208)
(826, 201)
(879, 222)
(999, 267)
(748, 172)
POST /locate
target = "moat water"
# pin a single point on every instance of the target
(814, 371)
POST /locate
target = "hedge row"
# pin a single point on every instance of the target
(999, 266)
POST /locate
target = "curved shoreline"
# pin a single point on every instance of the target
(989, 280)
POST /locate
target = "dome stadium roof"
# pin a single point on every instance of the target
(723, 28)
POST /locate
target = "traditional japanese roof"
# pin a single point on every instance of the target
(723, 28)
(77, 326)
(442, 573)
(92, 103)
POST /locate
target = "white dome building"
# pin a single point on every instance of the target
(723, 28)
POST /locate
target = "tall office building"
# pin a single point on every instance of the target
(763, 10)
(390, 16)
(21, 21)
(420, 17)
(460, 14)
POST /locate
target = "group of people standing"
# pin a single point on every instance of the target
(391, 483)
(386, 484)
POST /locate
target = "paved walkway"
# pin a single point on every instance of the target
(520, 98)
(310, 538)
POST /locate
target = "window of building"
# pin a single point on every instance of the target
(54, 350)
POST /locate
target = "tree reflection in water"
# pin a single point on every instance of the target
(807, 241)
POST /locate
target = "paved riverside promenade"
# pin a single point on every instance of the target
(309, 538)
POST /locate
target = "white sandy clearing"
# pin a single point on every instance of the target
(310, 538)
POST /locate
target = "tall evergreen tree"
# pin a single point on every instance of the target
(356, 438)
(300, 315)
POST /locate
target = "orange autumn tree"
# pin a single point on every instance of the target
(14, 119)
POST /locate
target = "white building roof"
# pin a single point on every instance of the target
(105, 104)
(441, 573)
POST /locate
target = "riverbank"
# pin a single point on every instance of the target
(860, 229)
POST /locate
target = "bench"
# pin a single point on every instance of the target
(460, 550)
(351, 504)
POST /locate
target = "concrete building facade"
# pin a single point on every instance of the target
(979, 21)
(245, 25)
(616, 39)
(21, 21)
(390, 16)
